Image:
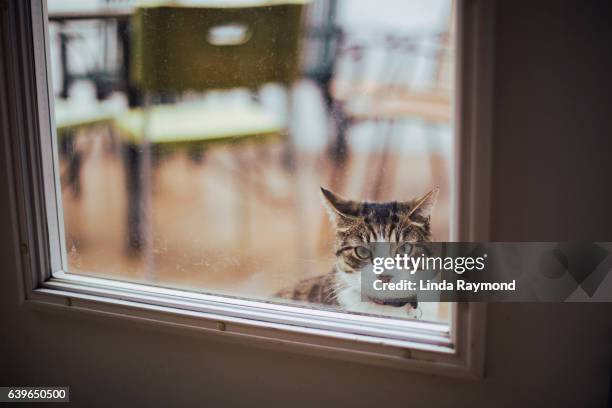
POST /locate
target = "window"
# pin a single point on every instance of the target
(217, 223)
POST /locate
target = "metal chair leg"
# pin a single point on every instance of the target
(132, 160)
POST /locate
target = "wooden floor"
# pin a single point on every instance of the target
(237, 222)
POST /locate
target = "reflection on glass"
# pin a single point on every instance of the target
(194, 138)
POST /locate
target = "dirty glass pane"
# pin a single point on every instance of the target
(194, 137)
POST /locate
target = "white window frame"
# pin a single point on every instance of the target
(455, 349)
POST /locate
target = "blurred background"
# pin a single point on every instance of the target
(193, 136)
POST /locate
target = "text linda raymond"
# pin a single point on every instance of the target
(444, 285)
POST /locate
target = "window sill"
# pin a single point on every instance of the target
(408, 345)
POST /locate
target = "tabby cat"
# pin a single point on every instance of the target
(357, 226)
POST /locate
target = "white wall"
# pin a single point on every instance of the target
(551, 181)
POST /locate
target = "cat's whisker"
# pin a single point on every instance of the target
(317, 259)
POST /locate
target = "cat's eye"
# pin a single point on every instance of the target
(406, 248)
(363, 252)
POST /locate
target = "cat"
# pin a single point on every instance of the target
(357, 225)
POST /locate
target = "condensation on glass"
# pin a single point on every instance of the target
(194, 136)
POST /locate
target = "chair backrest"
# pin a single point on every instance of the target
(198, 48)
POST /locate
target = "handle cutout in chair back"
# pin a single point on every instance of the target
(178, 48)
(229, 34)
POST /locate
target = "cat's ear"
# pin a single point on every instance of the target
(423, 206)
(338, 206)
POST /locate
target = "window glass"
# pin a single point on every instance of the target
(194, 138)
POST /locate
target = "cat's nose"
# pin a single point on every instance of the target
(385, 278)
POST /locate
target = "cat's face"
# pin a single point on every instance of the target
(359, 225)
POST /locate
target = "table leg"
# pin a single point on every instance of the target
(132, 160)
(65, 73)
(123, 33)
(74, 173)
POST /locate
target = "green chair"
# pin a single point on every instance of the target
(178, 49)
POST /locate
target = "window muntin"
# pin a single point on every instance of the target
(213, 229)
